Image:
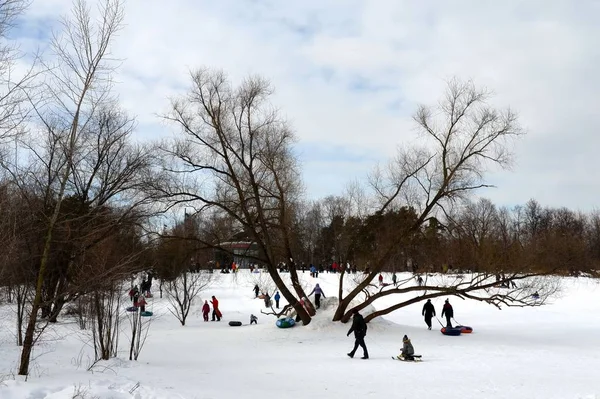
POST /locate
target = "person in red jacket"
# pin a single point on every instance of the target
(448, 312)
(205, 310)
(140, 303)
(216, 312)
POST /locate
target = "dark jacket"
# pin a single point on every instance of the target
(428, 310)
(447, 310)
(359, 326)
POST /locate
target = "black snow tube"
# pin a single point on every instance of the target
(235, 323)
(451, 331)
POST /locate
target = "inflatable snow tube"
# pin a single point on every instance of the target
(465, 329)
(146, 313)
(235, 323)
(450, 331)
(285, 323)
(131, 309)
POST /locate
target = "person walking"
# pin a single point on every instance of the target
(359, 327)
(256, 290)
(216, 314)
(428, 312)
(205, 310)
(318, 292)
(277, 297)
(448, 312)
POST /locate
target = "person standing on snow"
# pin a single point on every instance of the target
(380, 279)
(277, 297)
(359, 327)
(428, 312)
(318, 292)
(216, 314)
(205, 310)
(448, 312)
(256, 290)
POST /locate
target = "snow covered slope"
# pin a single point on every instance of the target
(547, 352)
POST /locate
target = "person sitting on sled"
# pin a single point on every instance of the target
(407, 349)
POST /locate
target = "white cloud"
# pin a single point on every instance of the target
(540, 57)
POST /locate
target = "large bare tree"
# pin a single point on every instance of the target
(462, 137)
(233, 158)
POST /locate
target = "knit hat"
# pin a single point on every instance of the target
(405, 338)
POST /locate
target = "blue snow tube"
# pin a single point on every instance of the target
(146, 313)
(450, 331)
(285, 323)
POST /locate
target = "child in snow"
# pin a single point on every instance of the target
(205, 310)
(318, 292)
(407, 349)
(277, 297)
(256, 289)
(141, 303)
(132, 292)
(253, 319)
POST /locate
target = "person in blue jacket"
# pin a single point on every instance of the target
(277, 297)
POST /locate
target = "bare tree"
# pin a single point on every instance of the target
(465, 135)
(74, 90)
(234, 158)
(182, 291)
(13, 88)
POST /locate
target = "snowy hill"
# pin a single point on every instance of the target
(546, 352)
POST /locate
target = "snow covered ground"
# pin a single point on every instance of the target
(547, 352)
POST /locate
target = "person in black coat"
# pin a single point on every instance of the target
(359, 327)
(428, 312)
(448, 312)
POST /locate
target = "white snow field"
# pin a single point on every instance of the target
(544, 352)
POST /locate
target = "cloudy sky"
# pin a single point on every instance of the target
(349, 74)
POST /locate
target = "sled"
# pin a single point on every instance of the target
(451, 331)
(132, 309)
(417, 358)
(235, 323)
(146, 313)
(218, 313)
(465, 329)
(285, 323)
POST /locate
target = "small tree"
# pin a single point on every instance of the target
(139, 329)
(182, 291)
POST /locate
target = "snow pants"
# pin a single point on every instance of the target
(317, 301)
(448, 321)
(360, 341)
(428, 321)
